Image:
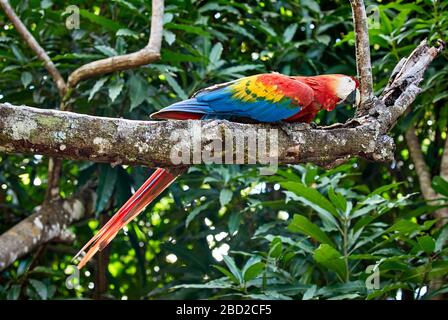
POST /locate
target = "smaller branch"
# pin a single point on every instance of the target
(444, 164)
(118, 63)
(54, 173)
(34, 45)
(362, 47)
(50, 221)
(424, 174)
(421, 168)
(144, 56)
(403, 86)
(156, 34)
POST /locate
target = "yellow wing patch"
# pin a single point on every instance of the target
(250, 90)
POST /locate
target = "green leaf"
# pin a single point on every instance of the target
(252, 268)
(96, 87)
(214, 284)
(442, 239)
(170, 56)
(225, 196)
(18, 54)
(311, 195)
(264, 27)
(107, 51)
(404, 226)
(40, 288)
(386, 289)
(167, 17)
(227, 274)
(310, 292)
(126, 33)
(301, 224)
(107, 24)
(215, 53)
(440, 96)
(311, 4)
(23, 267)
(26, 78)
(385, 188)
(187, 28)
(213, 6)
(348, 296)
(289, 32)
(234, 222)
(233, 268)
(137, 91)
(330, 258)
(276, 248)
(176, 87)
(13, 292)
(43, 270)
(427, 244)
(440, 185)
(323, 38)
(436, 269)
(46, 4)
(239, 70)
(115, 89)
(169, 37)
(236, 29)
(76, 56)
(106, 185)
(386, 24)
(195, 212)
(328, 220)
(338, 200)
(363, 211)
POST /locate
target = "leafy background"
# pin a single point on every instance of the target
(226, 231)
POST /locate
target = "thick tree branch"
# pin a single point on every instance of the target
(362, 47)
(49, 222)
(34, 45)
(144, 56)
(74, 136)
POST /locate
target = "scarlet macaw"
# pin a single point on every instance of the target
(269, 97)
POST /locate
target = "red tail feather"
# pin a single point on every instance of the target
(152, 187)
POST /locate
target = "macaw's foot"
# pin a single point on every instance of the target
(313, 125)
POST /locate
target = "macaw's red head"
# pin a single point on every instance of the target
(332, 89)
(346, 89)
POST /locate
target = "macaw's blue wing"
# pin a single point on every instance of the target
(265, 98)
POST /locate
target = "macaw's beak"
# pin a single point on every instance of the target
(353, 97)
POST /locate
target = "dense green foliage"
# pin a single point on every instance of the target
(304, 233)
